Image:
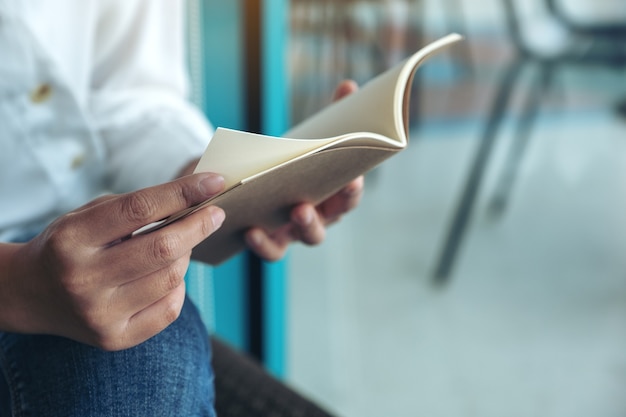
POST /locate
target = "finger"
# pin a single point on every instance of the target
(269, 248)
(137, 295)
(153, 319)
(342, 202)
(345, 88)
(144, 254)
(308, 225)
(115, 218)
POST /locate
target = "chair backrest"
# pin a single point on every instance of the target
(524, 17)
(589, 13)
(547, 29)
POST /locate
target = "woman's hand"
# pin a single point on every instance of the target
(308, 222)
(85, 279)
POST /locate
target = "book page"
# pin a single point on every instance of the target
(380, 106)
(372, 116)
(238, 155)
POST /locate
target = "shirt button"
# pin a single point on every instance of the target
(41, 93)
(78, 161)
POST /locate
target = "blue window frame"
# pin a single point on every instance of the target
(222, 74)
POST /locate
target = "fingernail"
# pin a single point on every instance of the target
(218, 216)
(211, 184)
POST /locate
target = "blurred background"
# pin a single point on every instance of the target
(484, 273)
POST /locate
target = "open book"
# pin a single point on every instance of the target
(267, 176)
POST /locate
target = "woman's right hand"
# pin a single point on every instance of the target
(83, 278)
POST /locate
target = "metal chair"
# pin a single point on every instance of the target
(574, 44)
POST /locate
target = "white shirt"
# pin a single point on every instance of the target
(92, 100)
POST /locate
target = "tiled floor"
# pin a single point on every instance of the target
(533, 322)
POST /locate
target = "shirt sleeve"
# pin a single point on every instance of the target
(138, 93)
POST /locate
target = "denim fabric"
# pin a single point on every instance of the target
(168, 375)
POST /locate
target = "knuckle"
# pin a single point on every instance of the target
(174, 277)
(206, 225)
(172, 311)
(138, 207)
(61, 236)
(166, 247)
(59, 251)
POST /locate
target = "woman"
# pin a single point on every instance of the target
(93, 114)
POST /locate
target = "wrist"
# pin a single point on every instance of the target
(12, 308)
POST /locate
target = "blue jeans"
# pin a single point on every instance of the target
(168, 375)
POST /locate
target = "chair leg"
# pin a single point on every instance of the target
(465, 205)
(505, 184)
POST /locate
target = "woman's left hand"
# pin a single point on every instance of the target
(308, 222)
